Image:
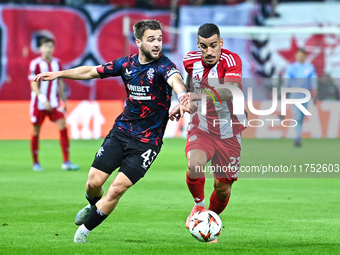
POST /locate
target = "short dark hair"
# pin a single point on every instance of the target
(207, 30)
(302, 50)
(46, 40)
(140, 27)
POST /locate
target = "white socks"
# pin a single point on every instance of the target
(202, 203)
(84, 229)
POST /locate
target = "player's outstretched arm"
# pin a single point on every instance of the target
(78, 73)
(176, 82)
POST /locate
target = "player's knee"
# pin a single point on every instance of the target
(93, 182)
(115, 192)
(91, 185)
(195, 165)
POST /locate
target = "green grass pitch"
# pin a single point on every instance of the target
(274, 215)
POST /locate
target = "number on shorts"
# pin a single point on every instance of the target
(147, 159)
(235, 162)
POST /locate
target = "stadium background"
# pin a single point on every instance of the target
(92, 34)
(269, 212)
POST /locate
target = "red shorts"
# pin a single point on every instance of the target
(38, 116)
(223, 153)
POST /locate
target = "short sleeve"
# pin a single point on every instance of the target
(233, 71)
(110, 69)
(33, 70)
(168, 69)
(188, 61)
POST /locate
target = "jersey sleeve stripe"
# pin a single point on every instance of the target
(232, 64)
(231, 59)
(194, 54)
(186, 59)
(227, 60)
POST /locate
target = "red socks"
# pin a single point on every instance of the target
(196, 187)
(64, 143)
(35, 148)
(216, 204)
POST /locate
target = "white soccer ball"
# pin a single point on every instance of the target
(205, 226)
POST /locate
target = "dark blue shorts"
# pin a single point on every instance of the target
(132, 156)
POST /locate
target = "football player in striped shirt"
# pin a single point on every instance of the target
(45, 102)
(214, 134)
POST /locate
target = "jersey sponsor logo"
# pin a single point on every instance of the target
(201, 87)
(140, 97)
(136, 88)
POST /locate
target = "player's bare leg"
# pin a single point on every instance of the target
(196, 160)
(117, 188)
(94, 192)
(104, 206)
(35, 147)
(61, 123)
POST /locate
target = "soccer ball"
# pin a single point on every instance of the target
(205, 226)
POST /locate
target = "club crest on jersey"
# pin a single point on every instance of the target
(150, 73)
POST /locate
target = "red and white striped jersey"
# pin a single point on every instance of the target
(219, 119)
(47, 88)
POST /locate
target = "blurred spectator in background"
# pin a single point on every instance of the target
(301, 74)
(327, 89)
(267, 9)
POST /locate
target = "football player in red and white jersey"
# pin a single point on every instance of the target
(215, 133)
(45, 98)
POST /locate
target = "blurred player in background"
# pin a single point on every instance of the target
(45, 102)
(208, 139)
(136, 137)
(301, 74)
